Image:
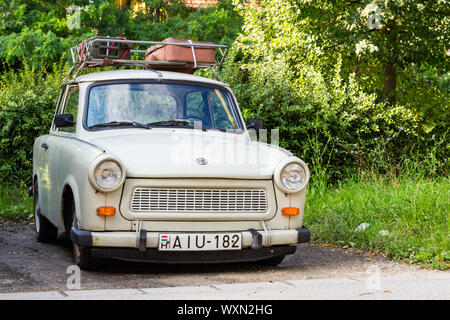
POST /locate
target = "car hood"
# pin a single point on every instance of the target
(191, 153)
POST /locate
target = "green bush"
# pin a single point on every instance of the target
(27, 104)
(15, 204)
(323, 85)
(332, 123)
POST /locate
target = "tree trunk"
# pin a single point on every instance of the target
(123, 3)
(390, 83)
(390, 70)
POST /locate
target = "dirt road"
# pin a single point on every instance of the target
(27, 265)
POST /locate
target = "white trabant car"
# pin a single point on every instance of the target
(159, 166)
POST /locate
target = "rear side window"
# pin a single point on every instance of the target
(71, 106)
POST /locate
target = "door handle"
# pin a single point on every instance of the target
(44, 145)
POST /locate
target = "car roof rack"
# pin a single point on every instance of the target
(117, 51)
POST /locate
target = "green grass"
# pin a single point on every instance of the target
(15, 204)
(408, 217)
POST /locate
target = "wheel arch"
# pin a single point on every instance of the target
(69, 193)
(35, 181)
(39, 195)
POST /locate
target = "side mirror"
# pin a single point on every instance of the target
(64, 120)
(256, 124)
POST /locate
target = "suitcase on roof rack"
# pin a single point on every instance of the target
(106, 48)
(190, 56)
(171, 54)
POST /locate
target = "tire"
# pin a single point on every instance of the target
(45, 230)
(272, 262)
(82, 254)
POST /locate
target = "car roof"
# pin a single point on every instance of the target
(144, 75)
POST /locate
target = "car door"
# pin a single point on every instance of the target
(41, 158)
(54, 146)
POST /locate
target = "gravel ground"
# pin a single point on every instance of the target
(27, 265)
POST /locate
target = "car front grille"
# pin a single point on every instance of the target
(199, 200)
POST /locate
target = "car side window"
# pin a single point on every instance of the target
(71, 106)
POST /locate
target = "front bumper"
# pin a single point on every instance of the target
(144, 246)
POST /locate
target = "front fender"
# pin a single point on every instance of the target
(74, 164)
(87, 200)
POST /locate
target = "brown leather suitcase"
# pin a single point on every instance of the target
(174, 53)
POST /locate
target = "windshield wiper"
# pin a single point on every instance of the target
(170, 122)
(121, 123)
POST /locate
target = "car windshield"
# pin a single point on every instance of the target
(157, 105)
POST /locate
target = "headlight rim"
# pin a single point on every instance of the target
(99, 161)
(283, 164)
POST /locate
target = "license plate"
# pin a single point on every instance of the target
(199, 241)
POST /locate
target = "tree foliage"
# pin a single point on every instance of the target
(375, 38)
(41, 32)
(316, 71)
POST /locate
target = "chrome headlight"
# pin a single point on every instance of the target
(291, 175)
(106, 174)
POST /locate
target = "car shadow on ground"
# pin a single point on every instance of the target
(119, 266)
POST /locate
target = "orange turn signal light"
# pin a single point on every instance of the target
(290, 211)
(106, 211)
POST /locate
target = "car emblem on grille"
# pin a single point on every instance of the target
(201, 161)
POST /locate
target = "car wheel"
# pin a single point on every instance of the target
(272, 262)
(45, 230)
(82, 254)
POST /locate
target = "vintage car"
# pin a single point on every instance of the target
(159, 166)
